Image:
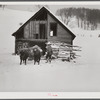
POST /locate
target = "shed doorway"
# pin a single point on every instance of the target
(42, 31)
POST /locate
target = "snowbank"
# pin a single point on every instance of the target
(9, 23)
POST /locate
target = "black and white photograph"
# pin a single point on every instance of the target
(50, 47)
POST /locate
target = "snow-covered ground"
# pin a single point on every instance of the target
(82, 76)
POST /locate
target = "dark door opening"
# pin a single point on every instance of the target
(53, 28)
(42, 31)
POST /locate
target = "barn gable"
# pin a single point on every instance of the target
(62, 34)
(42, 15)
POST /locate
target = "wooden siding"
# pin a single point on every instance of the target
(26, 31)
(32, 28)
(62, 34)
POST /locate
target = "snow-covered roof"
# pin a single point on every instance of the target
(53, 16)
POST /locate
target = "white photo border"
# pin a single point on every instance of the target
(50, 95)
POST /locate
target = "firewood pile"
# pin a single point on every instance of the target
(64, 50)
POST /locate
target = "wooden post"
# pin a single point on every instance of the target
(39, 30)
(30, 30)
(15, 46)
(35, 28)
(70, 52)
(47, 27)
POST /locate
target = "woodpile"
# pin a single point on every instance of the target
(64, 51)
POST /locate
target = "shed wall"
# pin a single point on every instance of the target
(32, 28)
(62, 34)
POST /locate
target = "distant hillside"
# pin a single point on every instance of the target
(29, 8)
(10, 22)
(88, 19)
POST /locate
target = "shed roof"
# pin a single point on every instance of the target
(58, 20)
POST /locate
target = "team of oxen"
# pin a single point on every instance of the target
(34, 53)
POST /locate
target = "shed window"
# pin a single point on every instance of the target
(53, 29)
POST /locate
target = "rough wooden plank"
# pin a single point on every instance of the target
(26, 31)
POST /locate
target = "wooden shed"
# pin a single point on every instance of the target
(42, 27)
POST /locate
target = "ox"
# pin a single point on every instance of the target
(24, 54)
(37, 56)
(32, 52)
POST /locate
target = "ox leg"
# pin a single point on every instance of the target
(47, 59)
(39, 61)
(34, 62)
(25, 61)
(20, 61)
(50, 58)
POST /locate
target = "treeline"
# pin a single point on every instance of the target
(86, 18)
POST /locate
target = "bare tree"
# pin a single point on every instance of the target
(64, 16)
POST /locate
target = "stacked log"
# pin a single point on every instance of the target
(64, 50)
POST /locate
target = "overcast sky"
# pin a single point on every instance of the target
(53, 8)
